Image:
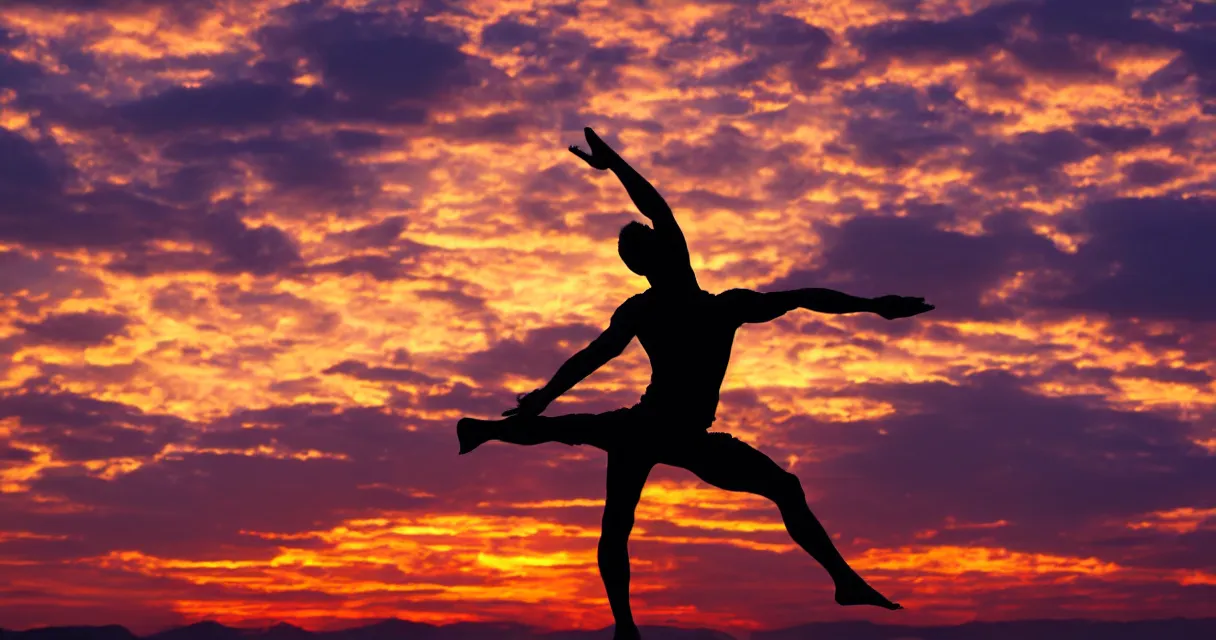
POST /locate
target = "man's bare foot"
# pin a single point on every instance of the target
(472, 433)
(856, 591)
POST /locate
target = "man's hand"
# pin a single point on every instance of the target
(892, 307)
(601, 157)
(531, 404)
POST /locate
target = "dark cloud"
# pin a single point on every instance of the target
(1145, 258)
(181, 12)
(364, 371)
(1030, 157)
(1150, 173)
(467, 400)
(725, 152)
(40, 281)
(194, 502)
(459, 294)
(76, 329)
(1004, 453)
(358, 140)
(26, 173)
(15, 74)
(379, 234)
(304, 168)
(1046, 38)
(78, 427)
(197, 503)
(504, 126)
(878, 255)
(194, 184)
(965, 36)
(895, 125)
(235, 247)
(43, 205)
(395, 257)
(368, 61)
(604, 226)
(767, 41)
(223, 105)
(263, 305)
(508, 33)
(258, 250)
(1115, 138)
(383, 268)
(562, 64)
(1060, 57)
(704, 199)
(537, 355)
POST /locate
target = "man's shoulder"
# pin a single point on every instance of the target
(634, 304)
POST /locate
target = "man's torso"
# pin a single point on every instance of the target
(688, 340)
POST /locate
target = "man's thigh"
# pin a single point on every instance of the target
(607, 431)
(726, 462)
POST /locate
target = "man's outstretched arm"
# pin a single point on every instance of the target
(748, 306)
(610, 344)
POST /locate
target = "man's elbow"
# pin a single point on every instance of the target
(597, 355)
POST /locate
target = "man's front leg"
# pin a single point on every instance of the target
(522, 430)
(626, 477)
(570, 429)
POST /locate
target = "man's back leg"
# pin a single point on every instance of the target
(626, 476)
(731, 464)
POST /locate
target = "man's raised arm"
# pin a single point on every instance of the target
(748, 306)
(607, 346)
(645, 197)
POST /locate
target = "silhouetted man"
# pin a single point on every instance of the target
(687, 334)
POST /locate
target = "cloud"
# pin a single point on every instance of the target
(174, 10)
(235, 247)
(1030, 157)
(1122, 273)
(893, 125)
(367, 61)
(1060, 39)
(537, 355)
(225, 105)
(83, 329)
(363, 371)
(877, 255)
(1000, 450)
(1150, 173)
(77, 427)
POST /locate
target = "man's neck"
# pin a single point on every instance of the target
(673, 286)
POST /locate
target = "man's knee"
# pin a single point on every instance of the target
(786, 487)
(616, 524)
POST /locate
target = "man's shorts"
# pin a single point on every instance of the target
(639, 430)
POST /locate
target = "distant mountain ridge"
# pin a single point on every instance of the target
(393, 629)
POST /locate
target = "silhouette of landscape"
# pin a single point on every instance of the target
(393, 629)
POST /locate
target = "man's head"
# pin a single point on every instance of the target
(636, 246)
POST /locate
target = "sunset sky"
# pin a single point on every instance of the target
(258, 256)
